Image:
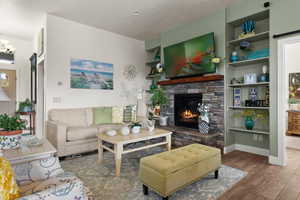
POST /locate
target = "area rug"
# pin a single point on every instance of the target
(101, 180)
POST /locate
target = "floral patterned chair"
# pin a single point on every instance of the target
(46, 180)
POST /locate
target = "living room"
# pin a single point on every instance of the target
(149, 100)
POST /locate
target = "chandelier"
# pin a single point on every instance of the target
(6, 51)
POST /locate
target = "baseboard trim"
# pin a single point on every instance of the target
(275, 161)
(229, 149)
(246, 148)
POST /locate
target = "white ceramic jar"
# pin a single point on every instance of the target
(125, 130)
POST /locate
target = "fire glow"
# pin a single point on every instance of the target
(187, 114)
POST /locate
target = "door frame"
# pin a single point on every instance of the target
(282, 96)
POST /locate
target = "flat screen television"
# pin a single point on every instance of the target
(190, 58)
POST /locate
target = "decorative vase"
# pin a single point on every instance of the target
(10, 139)
(150, 124)
(125, 130)
(27, 109)
(203, 126)
(163, 120)
(135, 129)
(249, 123)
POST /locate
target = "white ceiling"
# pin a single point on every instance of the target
(22, 18)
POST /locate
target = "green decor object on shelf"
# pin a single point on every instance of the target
(251, 116)
(249, 123)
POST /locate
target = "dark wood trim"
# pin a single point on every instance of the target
(285, 34)
(192, 80)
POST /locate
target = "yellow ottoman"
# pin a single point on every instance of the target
(170, 171)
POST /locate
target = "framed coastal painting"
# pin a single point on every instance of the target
(89, 74)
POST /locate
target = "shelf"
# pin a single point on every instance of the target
(264, 132)
(250, 85)
(152, 63)
(152, 76)
(257, 37)
(245, 107)
(192, 79)
(249, 62)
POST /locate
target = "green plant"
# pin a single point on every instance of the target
(133, 124)
(158, 97)
(23, 104)
(11, 123)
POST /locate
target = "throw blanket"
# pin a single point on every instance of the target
(8, 186)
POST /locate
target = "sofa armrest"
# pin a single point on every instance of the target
(67, 191)
(57, 133)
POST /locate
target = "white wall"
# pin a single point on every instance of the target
(24, 49)
(67, 39)
(293, 58)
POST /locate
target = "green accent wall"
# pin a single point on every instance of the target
(284, 17)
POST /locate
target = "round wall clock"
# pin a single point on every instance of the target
(130, 72)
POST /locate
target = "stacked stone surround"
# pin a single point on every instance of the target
(213, 95)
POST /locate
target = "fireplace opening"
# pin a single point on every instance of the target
(185, 109)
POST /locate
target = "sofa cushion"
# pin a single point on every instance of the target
(117, 114)
(70, 117)
(102, 115)
(81, 133)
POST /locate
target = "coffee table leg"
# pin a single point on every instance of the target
(118, 158)
(168, 139)
(100, 151)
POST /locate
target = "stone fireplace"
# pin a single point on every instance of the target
(185, 110)
(183, 121)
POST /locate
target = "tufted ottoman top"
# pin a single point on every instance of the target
(171, 161)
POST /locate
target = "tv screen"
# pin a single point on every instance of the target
(190, 58)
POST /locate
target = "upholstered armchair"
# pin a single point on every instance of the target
(46, 180)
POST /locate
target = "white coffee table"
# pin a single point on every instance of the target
(119, 141)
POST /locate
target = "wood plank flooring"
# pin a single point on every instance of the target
(264, 181)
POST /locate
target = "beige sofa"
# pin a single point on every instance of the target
(72, 131)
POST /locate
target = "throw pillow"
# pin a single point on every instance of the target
(102, 115)
(117, 114)
(129, 113)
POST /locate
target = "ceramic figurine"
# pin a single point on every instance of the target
(234, 57)
(248, 29)
(111, 133)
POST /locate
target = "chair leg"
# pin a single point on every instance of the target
(145, 190)
(165, 198)
(216, 174)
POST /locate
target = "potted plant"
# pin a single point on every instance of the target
(11, 128)
(251, 116)
(158, 99)
(135, 127)
(294, 104)
(25, 106)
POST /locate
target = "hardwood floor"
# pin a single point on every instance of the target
(264, 181)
